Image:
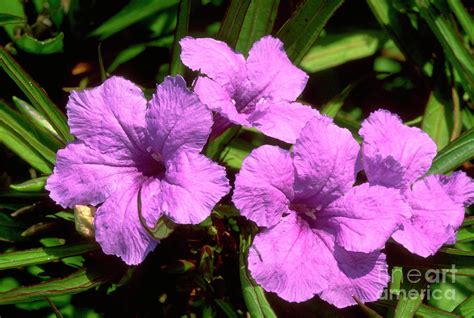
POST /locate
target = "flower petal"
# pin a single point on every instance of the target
(365, 217)
(271, 73)
(117, 225)
(110, 117)
(324, 157)
(83, 175)
(264, 185)
(395, 155)
(217, 99)
(213, 58)
(281, 120)
(437, 204)
(176, 119)
(290, 260)
(191, 188)
(360, 275)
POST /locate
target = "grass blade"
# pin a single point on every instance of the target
(36, 95)
(303, 28)
(6, 18)
(454, 154)
(33, 185)
(463, 17)
(233, 21)
(176, 66)
(258, 22)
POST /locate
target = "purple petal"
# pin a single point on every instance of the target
(86, 176)
(176, 119)
(281, 120)
(290, 260)
(117, 226)
(213, 58)
(264, 186)
(271, 73)
(395, 155)
(324, 158)
(217, 99)
(191, 188)
(365, 217)
(437, 204)
(110, 117)
(359, 275)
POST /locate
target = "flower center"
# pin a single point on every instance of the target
(152, 165)
(307, 212)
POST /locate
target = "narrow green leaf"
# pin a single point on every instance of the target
(455, 251)
(126, 55)
(103, 74)
(163, 228)
(10, 229)
(43, 255)
(466, 308)
(49, 46)
(303, 28)
(454, 154)
(6, 18)
(463, 17)
(233, 21)
(457, 54)
(408, 305)
(254, 296)
(176, 66)
(24, 150)
(215, 147)
(336, 49)
(226, 308)
(332, 107)
(425, 311)
(369, 312)
(37, 96)
(438, 119)
(258, 22)
(15, 8)
(77, 282)
(13, 121)
(133, 12)
(33, 185)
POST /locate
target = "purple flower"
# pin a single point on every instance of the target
(255, 92)
(322, 234)
(398, 156)
(125, 144)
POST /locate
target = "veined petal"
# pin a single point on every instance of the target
(324, 157)
(117, 225)
(264, 185)
(365, 217)
(110, 117)
(394, 154)
(176, 119)
(271, 73)
(192, 186)
(83, 175)
(437, 204)
(281, 120)
(215, 59)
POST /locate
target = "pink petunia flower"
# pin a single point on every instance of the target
(322, 235)
(395, 155)
(259, 91)
(126, 144)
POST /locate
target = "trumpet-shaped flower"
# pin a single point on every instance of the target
(322, 235)
(259, 91)
(125, 146)
(398, 156)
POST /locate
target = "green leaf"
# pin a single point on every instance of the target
(6, 18)
(13, 121)
(10, 229)
(36, 95)
(44, 254)
(227, 308)
(49, 46)
(258, 22)
(215, 147)
(336, 49)
(454, 154)
(407, 306)
(176, 66)
(133, 12)
(254, 296)
(466, 308)
(438, 119)
(303, 28)
(33, 185)
(463, 17)
(77, 282)
(332, 107)
(233, 21)
(14, 8)
(24, 150)
(457, 54)
(163, 228)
